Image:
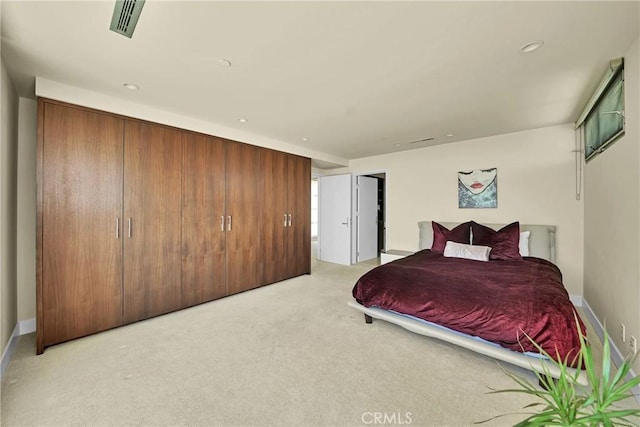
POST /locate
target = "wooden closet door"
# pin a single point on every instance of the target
(152, 215)
(299, 206)
(203, 234)
(274, 189)
(244, 217)
(80, 288)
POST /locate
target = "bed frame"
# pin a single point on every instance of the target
(541, 245)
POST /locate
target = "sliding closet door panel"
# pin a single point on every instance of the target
(81, 283)
(203, 220)
(275, 220)
(152, 216)
(299, 202)
(244, 217)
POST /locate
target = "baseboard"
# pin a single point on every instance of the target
(616, 354)
(27, 326)
(8, 351)
(577, 300)
(23, 327)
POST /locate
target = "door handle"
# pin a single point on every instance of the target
(229, 223)
(346, 223)
(117, 228)
(289, 220)
(222, 223)
(129, 227)
(285, 220)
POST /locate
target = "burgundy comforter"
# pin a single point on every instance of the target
(495, 300)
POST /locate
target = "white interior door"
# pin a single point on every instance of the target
(334, 219)
(367, 218)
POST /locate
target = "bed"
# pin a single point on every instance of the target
(481, 306)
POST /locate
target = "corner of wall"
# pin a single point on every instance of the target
(26, 209)
(8, 212)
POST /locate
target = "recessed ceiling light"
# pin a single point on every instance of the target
(131, 86)
(305, 139)
(449, 135)
(531, 46)
(224, 62)
(396, 145)
(243, 120)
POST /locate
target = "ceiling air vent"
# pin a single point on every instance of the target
(422, 140)
(125, 16)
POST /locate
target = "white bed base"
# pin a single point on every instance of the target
(522, 360)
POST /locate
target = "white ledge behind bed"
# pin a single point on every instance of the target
(542, 238)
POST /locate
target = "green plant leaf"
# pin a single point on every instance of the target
(564, 402)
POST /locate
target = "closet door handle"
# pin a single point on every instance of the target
(285, 220)
(229, 223)
(129, 227)
(117, 228)
(289, 220)
(222, 223)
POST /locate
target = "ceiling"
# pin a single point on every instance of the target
(349, 79)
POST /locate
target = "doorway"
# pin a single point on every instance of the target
(335, 219)
(380, 210)
(351, 217)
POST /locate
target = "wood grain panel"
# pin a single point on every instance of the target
(81, 197)
(39, 212)
(153, 202)
(299, 205)
(95, 167)
(203, 240)
(274, 188)
(244, 206)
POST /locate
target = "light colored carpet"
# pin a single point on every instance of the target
(288, 354)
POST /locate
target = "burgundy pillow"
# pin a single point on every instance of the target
(441, 235)
(503, 243)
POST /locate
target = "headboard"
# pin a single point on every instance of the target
(542, 240)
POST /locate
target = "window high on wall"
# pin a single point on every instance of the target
(602, 120)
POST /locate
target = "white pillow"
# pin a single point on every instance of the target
(523, 245)
(460, 250)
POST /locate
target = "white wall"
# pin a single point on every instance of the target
(26, 207)
(612, 221)
(536, 185)
(8, 160)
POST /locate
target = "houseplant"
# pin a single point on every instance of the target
(563, 402)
